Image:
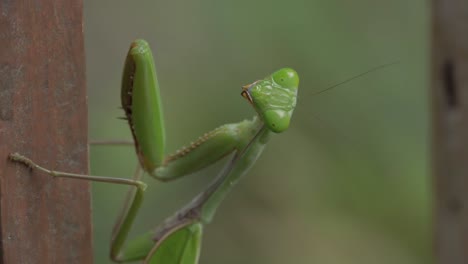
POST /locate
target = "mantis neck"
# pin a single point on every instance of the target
(241, 162)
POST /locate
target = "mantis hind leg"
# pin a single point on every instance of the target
(131, 207)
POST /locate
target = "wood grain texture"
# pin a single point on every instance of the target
(43, 115)
(450, 129)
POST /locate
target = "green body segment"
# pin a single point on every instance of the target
(141, 102)
(182, 246)
(179, 246)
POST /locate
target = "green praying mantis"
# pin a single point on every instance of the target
(178, 239)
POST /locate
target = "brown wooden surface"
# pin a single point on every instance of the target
(450, 129)
(43, 115)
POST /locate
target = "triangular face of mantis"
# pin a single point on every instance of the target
(179, 246)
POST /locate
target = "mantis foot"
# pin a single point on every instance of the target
(16, 157)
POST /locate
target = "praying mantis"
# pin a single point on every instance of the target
(178, 239)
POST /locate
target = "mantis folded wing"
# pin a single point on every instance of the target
(178, 239)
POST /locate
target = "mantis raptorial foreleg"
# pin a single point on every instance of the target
(178, 239)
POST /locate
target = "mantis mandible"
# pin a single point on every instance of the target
(178, 239)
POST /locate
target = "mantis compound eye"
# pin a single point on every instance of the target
(277, 120)
(286, 78)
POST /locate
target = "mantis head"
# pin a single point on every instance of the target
(274, 98)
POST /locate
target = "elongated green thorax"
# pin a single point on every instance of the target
(142, 105)
(274, 98)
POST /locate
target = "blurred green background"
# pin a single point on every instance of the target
(347, 183)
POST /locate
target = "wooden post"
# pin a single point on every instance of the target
(43, 115)
(450, 129)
